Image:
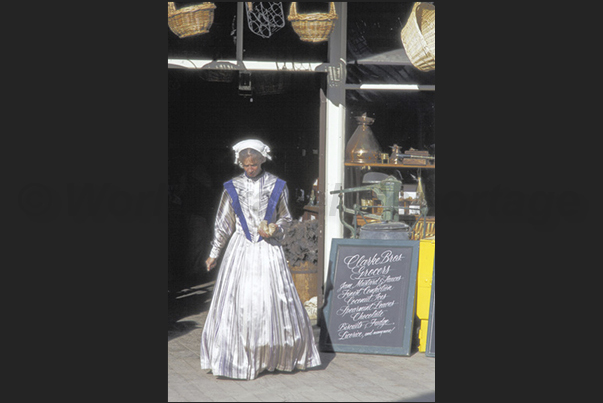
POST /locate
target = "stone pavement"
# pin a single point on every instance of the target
(342, 377)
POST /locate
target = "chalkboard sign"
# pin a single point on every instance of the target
(430, 347)
(369, 296)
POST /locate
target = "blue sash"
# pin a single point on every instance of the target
(276, 192)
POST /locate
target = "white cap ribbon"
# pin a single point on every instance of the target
(255, 144)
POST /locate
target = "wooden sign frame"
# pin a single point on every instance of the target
(370, 297)
(430, 346)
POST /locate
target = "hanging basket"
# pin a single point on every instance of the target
(264, 19)
(418, 36)
(191, 20)
(218, 76)
(312, 27)
(269, 83)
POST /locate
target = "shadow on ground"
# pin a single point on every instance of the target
(189, 298)
(425, 397)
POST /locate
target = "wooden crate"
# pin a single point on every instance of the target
(417, 229)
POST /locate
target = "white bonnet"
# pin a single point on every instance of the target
(255, 144)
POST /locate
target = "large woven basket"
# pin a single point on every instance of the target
(418, 36)
(191, 20)
(312, 27)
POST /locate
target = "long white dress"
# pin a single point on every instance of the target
(256, 320)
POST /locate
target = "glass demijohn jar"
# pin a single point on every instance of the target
(363, 146)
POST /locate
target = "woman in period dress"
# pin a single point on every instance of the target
(256, 320)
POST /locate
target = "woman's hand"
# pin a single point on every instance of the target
(266, 230)
(210, 263)
(263, 233)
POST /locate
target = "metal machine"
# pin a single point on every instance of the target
(386, 190)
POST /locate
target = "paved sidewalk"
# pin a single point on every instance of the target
(342, 377)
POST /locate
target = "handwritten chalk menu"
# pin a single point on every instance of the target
(369, 296)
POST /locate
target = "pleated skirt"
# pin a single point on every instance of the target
(256, 321)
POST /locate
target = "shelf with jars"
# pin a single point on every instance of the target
(363, 155)
(381, 165)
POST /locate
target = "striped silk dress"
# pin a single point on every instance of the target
(256, 320)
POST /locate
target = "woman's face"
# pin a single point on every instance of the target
(252, 167)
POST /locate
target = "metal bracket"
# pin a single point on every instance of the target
(336, 74)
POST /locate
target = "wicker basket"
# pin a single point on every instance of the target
(418, 36)
(312, 27)
(191, 20)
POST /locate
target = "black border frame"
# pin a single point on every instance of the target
(404, 348)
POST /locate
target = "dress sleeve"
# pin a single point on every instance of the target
(283, 214)
(224, 226)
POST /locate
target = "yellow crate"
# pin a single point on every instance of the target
(423, 291)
